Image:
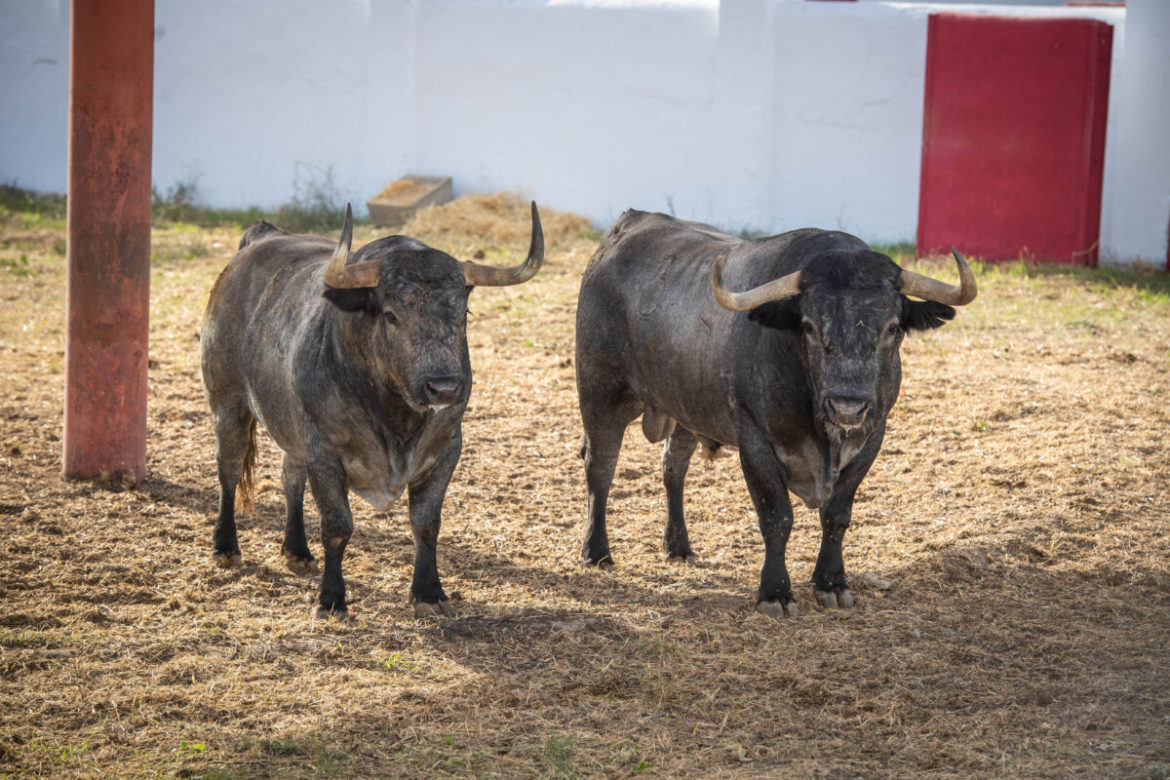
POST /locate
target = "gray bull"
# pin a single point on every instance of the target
(798, 370)
(358, 367)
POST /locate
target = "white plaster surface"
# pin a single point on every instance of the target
(761, 115)
(1137, 225)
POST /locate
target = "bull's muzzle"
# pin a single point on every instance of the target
(442, 391)
(846, 412)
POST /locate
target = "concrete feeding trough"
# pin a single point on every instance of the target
(400, 199)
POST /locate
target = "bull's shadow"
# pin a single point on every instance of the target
(561, 581)
(199, 499)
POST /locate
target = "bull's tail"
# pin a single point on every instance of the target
(244, 502)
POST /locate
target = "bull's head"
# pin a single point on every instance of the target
(850, 311)
(409, 307)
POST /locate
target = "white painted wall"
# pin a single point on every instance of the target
(587, 107)
(255, 99)
(34, 94)
(1138, 225)
(752, 114)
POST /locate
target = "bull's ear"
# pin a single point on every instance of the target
(781, 315)
(352, 298)
(924, 315)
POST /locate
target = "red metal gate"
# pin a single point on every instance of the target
(1014, 137)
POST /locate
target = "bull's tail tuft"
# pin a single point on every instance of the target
(244, 501)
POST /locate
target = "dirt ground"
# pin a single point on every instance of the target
(1009, 557)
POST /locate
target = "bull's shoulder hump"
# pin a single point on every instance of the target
(258, 231)
(640, 221)
(261, 231)
(291, 246)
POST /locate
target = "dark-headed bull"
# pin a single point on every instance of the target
(357, 365)
(785, 347)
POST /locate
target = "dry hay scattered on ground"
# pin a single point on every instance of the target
(1009, 558)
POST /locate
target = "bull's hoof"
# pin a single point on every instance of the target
(305, 567)
(778, 609)
(229, 559)
(425, 609)
(602, 562)
(682, 556)
(834, 599)
(324, 613)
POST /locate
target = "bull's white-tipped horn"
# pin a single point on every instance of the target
(933, 290)
(786, 286)
(344, 276)
(491, 276)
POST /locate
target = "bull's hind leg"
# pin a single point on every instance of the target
(295, 548)
(604, 431)
(676, 459)
(235, 430)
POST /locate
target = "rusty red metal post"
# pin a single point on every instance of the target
(111, 81)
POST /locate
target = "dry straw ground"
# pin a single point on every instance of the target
(1009, 558)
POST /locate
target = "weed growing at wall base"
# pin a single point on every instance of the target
(316, 207)
(15, 199)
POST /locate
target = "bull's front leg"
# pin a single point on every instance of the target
(426, 506)
(330, 488)
(829, 583)
(765, 482)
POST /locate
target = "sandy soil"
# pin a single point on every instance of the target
(1009, 558)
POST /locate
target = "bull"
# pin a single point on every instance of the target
(356, 363)
(786, 348)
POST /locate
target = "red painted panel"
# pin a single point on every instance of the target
(111, 79)
(1014, 137)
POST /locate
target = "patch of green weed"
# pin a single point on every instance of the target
(557, 755)
(16, 266)
(396, 662)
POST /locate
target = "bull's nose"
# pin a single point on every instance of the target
(846, 412)
(443, 390)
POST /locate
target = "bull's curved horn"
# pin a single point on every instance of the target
(338, 274)
(491, 276)
(786, 286)
(933, 290)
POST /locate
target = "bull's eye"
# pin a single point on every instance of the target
(893, 329)
(389, 317)
(807, 330)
